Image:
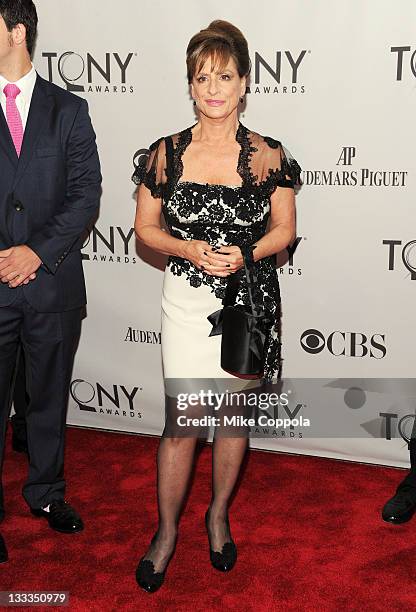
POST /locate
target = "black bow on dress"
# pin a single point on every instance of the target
(257, 336)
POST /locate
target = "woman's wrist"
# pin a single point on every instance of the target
(248, 254)
(183, 249)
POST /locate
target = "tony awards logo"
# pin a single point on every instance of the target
(278, 72)
(407, 255)
(110, 244)
(88, 73)
(115, 401)
(405, 61)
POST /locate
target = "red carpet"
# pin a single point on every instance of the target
(308, 531)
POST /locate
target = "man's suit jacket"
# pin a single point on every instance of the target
(49, 195)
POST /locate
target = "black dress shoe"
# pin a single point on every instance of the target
(225, 560)
(19, 445)
(146, 577)
(402, 506)
(3, 551)
(61, 517)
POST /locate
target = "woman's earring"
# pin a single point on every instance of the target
(194, 102)
(241, 99)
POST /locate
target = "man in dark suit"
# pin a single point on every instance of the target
(49, 192)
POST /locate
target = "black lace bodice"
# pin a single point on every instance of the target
(221, 214)
(263, 164)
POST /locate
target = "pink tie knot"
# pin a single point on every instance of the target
(11, 91)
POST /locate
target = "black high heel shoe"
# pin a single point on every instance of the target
(225, 560)
(146, 577)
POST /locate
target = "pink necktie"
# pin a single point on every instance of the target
(14, 119)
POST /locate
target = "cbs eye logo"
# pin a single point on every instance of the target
(312, 341)
(344, 344)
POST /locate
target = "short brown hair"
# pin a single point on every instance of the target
(219, 41)
(24, 12)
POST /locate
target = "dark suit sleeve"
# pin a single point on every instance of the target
(83, 190)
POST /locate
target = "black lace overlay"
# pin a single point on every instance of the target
(224, 215)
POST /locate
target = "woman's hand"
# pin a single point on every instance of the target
(215, 261)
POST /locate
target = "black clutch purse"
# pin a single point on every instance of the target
(243, 328)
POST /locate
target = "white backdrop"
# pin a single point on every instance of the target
(345, 115)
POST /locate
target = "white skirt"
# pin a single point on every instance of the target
(188, 351)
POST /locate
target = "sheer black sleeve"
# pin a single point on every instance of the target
(150, 169)
(270, 164)
(283, 169)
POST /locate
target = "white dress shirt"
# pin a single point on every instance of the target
(26, 85)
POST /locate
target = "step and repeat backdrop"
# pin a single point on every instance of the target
(336, 83)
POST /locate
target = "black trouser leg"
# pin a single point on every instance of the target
(11, 318)
(50, 341)
(410, 479)
(20, 398)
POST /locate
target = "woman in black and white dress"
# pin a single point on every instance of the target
(220, 187)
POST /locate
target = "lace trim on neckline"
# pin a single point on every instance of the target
(174, 168)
